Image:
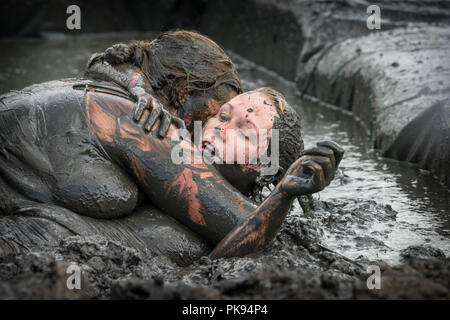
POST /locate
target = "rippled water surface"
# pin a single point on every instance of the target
(423, 206)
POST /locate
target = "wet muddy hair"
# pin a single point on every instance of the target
(179, 62)
(290, 139)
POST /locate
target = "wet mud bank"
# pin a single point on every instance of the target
(397, 83)
(395, 79)
(293, 267)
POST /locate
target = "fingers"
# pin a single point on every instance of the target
(154, 115)
(144, 102)
(326, 167)
(295, 167)
(165, 124)
(309, 179)
(328, 153)
(178, 122)
(314, 170)
(139, 109)
(297, 185)
(311, 168)
(157, 112)
(166, 121)
(337, 149)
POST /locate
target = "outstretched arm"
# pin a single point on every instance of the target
(195, 193)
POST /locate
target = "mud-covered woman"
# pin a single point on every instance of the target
(82, 152)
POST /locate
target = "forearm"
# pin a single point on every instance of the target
(195, 195)
(202, 200)
(259, 228)
(199, 197)
(125, 75)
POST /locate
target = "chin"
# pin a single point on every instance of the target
(242, 177)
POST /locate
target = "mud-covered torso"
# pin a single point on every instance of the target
(49, 154)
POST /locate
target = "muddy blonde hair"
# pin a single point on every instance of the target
(290, 138)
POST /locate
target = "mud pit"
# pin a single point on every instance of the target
(376, 212)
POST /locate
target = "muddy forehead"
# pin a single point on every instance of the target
(262, 103)
(260, 106)
(257, 104)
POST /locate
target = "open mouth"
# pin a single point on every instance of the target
(209, 146)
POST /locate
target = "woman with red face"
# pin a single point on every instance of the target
(248, 117)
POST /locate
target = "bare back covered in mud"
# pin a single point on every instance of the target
(58, 181)
(50, 154)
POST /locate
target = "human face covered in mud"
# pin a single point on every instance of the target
(236, 140)
(238, 133)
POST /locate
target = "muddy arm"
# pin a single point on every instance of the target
(133, 79)
(309, 174)
(124, 74)
(196, 194)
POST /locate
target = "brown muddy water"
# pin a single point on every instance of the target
(375, 207)
(421, 205)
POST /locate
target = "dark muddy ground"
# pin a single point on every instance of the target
(293, 267)
(376, 212)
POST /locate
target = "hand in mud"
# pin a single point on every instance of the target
(157, 112)
(313, 171)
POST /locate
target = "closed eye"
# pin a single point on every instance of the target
(223, 117)
(225, 112)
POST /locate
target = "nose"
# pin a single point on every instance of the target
(221, 128)
(213, 134)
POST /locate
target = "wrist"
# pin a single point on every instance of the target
(279, 191)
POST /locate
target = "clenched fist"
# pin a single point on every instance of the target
(314, 170)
